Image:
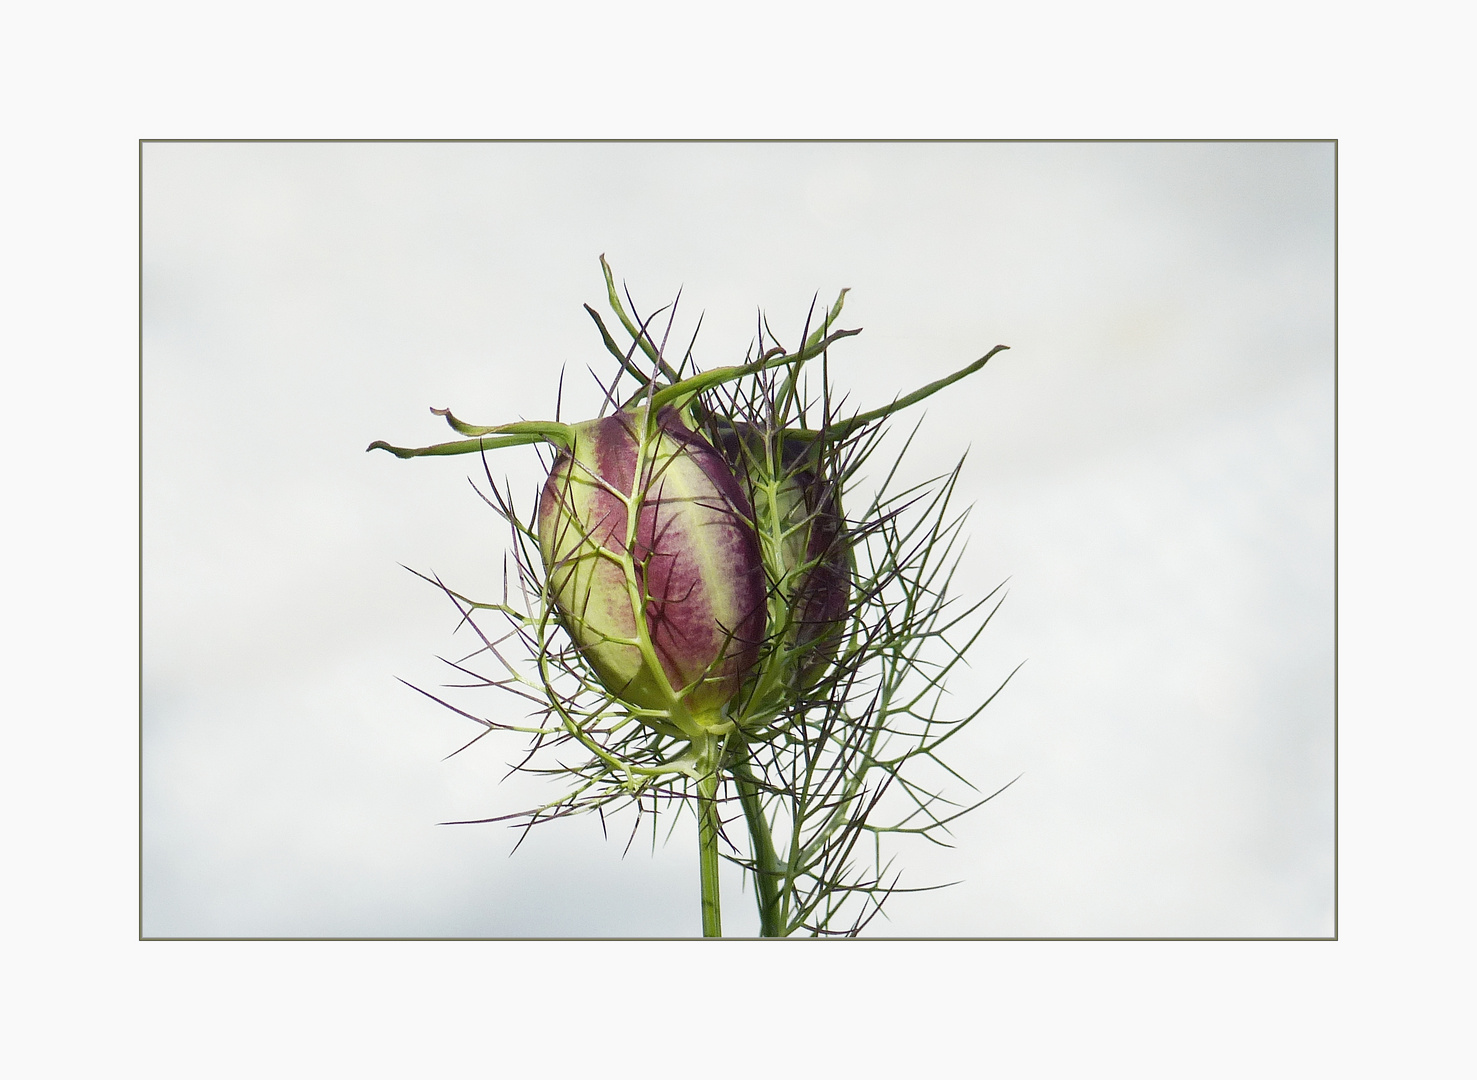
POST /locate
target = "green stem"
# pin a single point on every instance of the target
(767, 872)
(707, 843)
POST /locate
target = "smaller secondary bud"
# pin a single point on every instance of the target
(803, 536)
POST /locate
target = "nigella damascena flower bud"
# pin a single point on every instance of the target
(651, 556)
(808, 533)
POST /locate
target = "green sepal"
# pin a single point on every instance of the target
(490, 438)
(647, 346)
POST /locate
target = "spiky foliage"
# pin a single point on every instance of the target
(836, 743)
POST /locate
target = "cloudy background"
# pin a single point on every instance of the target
(1151, 466)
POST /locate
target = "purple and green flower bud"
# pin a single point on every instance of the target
(653, 562)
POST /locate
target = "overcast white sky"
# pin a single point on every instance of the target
(1151, 466)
